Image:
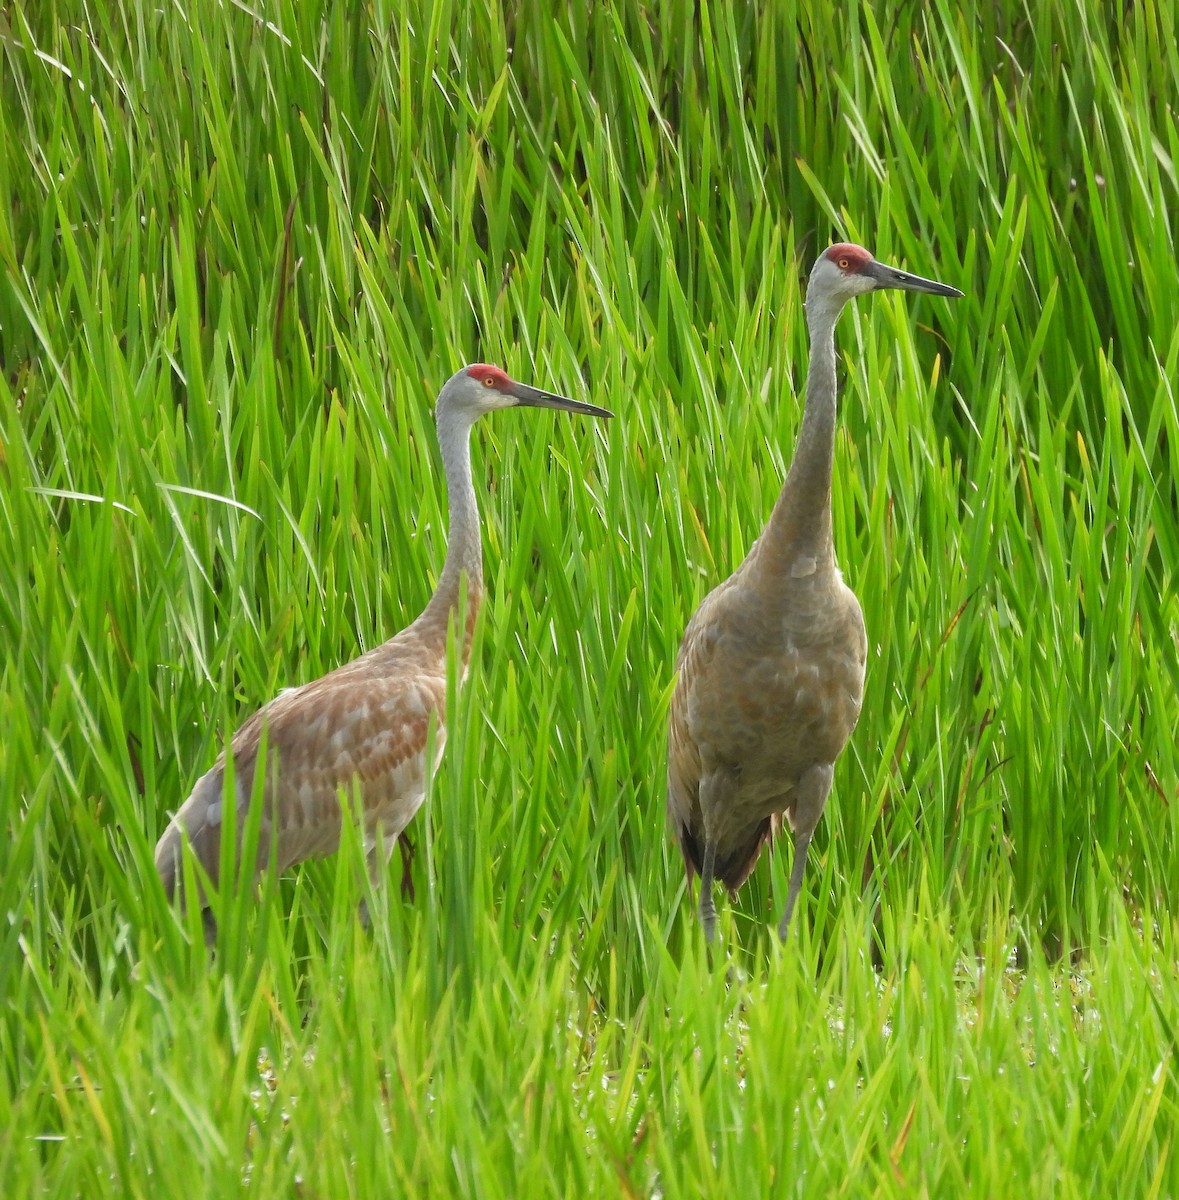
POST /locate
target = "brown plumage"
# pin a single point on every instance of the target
(771, 669)
(366, 724)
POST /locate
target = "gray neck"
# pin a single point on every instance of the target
(464, 550)
(797, 540)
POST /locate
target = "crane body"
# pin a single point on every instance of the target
(770, 673)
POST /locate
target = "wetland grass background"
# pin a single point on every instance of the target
(242, 245)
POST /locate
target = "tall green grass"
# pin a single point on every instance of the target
(243, 244)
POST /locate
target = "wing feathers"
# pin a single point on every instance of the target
(347, 729)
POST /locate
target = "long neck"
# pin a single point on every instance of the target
(796, 541)
(464, 550)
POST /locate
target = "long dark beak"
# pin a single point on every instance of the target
(530, 397)
(892, 277)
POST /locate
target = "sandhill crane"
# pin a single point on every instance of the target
(365, 724)
(771, 669)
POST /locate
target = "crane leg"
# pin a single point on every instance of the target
(802, 843)
(810, 798)
(717, 790)
(707, 905)
(408, 850)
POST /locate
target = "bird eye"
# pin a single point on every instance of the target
(488, 381)
(843, 264)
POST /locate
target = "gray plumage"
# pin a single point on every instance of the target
(771, 669)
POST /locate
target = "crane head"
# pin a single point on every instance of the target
(482, 388)
(846, 270)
